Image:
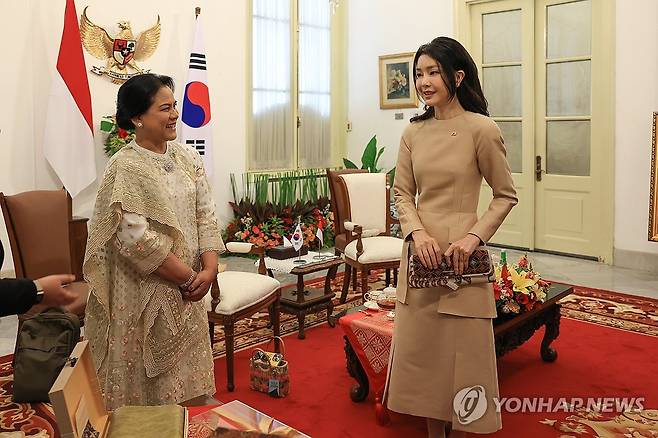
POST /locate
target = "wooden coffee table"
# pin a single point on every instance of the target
(512, 331)
(300, 300)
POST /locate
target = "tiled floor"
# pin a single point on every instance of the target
(556, 268)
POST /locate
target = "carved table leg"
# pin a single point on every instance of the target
(552, 318)
(301, 316)
(346, 283)
(330, 309)
(333, 319)
(331, 274)
(359, 392)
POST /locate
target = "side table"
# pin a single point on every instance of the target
(300, 300)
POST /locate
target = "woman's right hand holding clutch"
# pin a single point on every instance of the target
(427, 249)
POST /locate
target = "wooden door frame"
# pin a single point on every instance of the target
(603, 104)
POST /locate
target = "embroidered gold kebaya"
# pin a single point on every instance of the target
(149, 345)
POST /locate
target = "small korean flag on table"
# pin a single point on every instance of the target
(297, 239)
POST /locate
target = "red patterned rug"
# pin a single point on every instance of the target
(35, 420)
(611, 309)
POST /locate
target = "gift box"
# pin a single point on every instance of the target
(285, 252)
(238, 416)
(80, 410)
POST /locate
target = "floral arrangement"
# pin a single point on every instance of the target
(269, 231)
(518, 288)
(116, 137)
(267, 207)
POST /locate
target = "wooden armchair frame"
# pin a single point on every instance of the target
(343, 206)
(271, 302)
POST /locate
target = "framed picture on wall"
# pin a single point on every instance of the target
(653, 198)
(396, 85)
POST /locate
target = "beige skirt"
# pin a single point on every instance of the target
(443, 366)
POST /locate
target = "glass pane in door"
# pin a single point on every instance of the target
(568, 148)
(501, 37)
(569, 29)
(512, 135)
(502, 88)
(568, 90)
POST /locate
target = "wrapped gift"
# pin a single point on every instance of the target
(80, 410)
(238, 416)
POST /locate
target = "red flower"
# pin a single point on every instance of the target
(496, 289)
(523, 262)
(123, 133)
(255, 229)
(522, 299)
(505, 276)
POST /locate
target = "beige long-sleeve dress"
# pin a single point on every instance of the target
(443, 340)
(149, 346)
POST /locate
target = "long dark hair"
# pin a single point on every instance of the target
(451, 57)
(135, 96)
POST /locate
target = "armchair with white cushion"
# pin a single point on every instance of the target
(367, 224)
(238, 295)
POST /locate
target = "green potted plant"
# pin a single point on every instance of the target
(370, 159)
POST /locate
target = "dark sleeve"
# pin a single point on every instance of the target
(16, 296)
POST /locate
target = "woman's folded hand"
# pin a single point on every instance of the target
(427, 249)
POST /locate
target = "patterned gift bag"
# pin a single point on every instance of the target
(268, 371)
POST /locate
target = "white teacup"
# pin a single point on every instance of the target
(373, 295)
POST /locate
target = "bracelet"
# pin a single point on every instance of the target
(189, 281)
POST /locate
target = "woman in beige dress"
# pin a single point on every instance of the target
(151, 256)
(443, 361)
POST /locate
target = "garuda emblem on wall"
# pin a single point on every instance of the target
(121, 52)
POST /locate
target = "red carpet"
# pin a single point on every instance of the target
(593, 361)
(319, 403)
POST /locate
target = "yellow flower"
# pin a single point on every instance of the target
(521, 283)
(497, 270)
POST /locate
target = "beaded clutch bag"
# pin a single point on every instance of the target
(479, 269)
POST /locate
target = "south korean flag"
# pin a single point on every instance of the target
(297, 238)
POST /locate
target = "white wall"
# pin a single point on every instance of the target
(380, 28)
(636, 93)
(29, 62)
(637, 99)
(374, 29)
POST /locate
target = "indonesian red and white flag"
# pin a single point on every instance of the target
(320, 235)
(68, 142)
